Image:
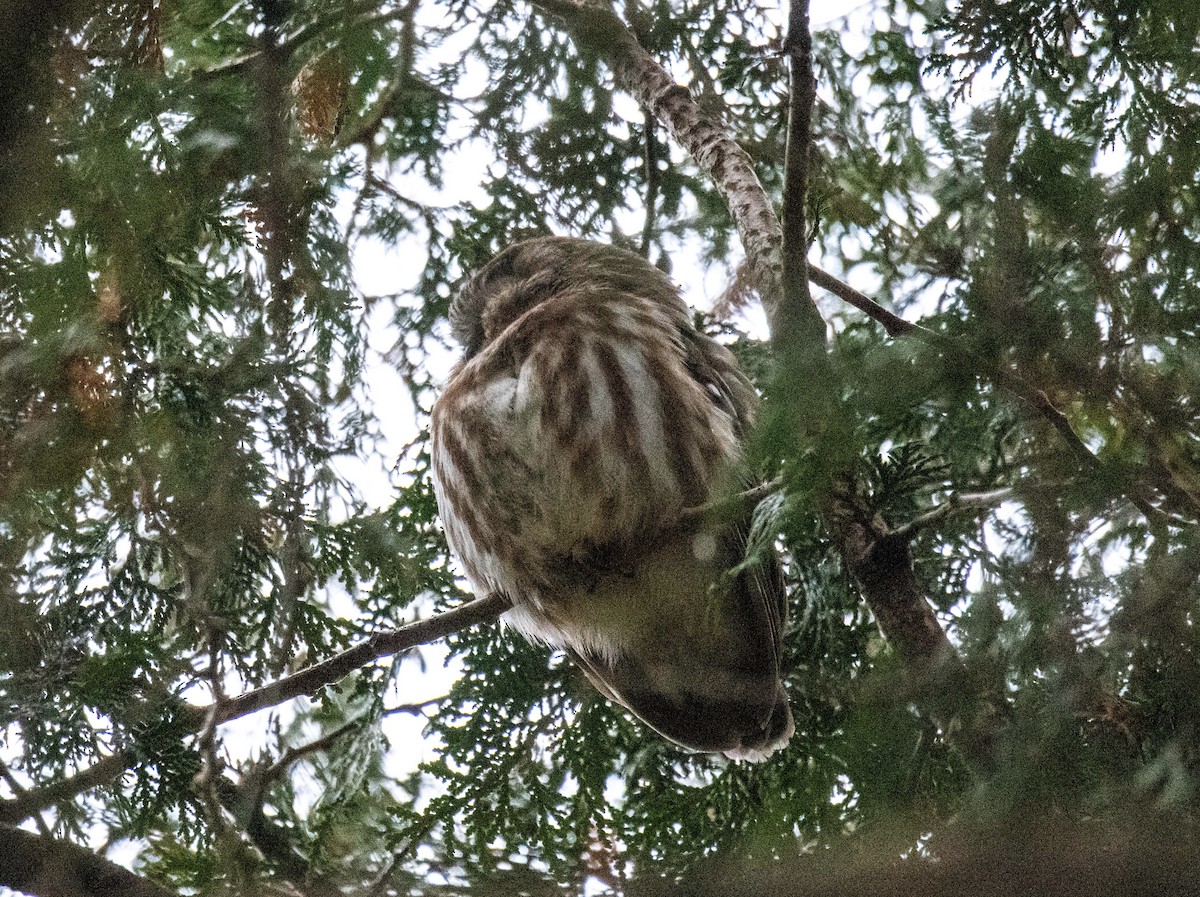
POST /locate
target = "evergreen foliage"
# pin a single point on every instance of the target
(186, 361)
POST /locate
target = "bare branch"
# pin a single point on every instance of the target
(893, 324)
(382, 644)
(416, 708)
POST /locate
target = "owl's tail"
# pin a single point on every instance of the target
(703, 668)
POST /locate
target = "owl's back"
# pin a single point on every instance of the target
(587, 415)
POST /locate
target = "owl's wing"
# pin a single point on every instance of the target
(710, 682)
(715, 367)
(483, 475)
(710, 687)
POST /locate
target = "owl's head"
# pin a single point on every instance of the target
(531, 271)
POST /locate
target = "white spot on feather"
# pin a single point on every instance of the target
(704, 547)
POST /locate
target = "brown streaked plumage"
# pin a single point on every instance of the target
(585, 415)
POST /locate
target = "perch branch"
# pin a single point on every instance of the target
(382, 644)
(305, 682)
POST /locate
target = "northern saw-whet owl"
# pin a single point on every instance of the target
(586, 414)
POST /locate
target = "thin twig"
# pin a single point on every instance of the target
(732, 506)
(292, 754)
(414, 708)
(893, 324)
(966, 501)
(292, 42)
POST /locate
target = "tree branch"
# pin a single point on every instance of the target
(34, 800)
(382, 644)
(796, 322)
(728, 165)
(19, 791)
(892, 323)
(49, 867)
(966, 501)
(306, 682)
(293, 754)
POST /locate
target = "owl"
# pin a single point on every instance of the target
(586, 414)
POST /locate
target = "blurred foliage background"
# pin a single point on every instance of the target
(186, 368)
